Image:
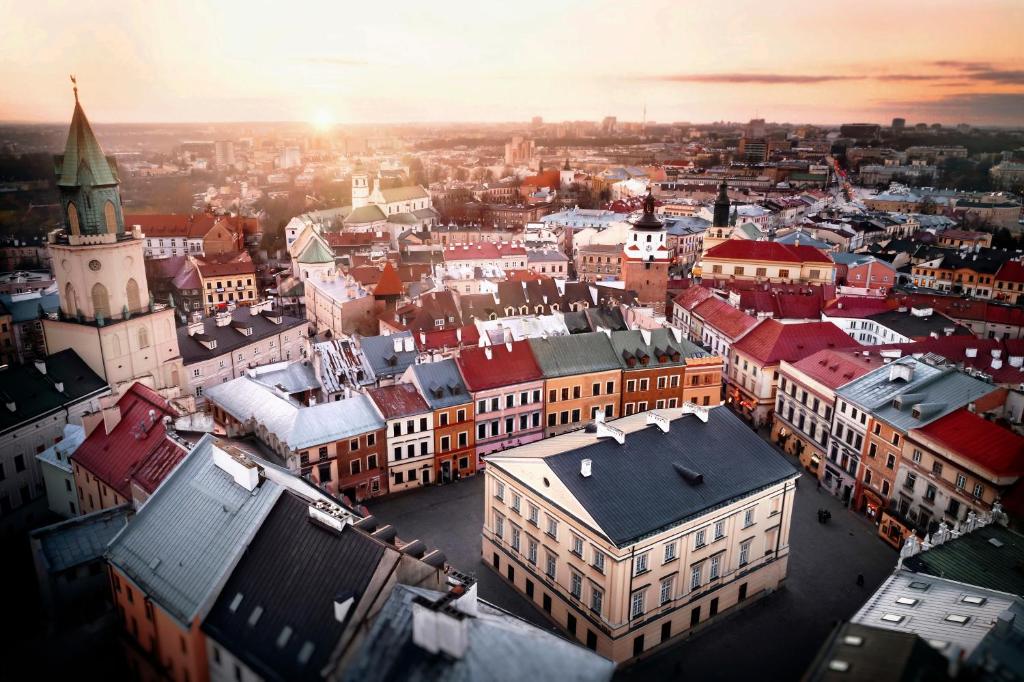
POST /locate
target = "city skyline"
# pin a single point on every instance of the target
(325, 65)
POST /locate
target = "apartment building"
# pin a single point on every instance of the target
(721, 325)
(708, 528)
(581, 379)
(442, 387)
(744, 259)
(598, 262)
(661, 369)
(229, 278)
(682, 309)
(507, 386)
(806, 399)
(409, 424)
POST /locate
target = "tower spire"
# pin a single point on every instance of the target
(74, 86)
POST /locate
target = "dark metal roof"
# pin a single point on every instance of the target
(975, 559)
(635, 489)
(34, 394)
(441, 384)
(229, 337)
(292, 572)
(877, 655)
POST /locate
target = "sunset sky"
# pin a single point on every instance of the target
(688, 60)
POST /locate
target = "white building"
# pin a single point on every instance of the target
(55, 466)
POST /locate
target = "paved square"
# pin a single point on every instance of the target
(775, 638)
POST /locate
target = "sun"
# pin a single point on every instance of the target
(322, 120)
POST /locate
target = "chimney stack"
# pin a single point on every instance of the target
(41, 366)
(585, 468)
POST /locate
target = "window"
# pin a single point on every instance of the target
(979, 489)
(531, 551)
(443, 419)
(510, 400)
(499, 490)
(516, 537)
(916, 456)
(716, 562)
(499, 525)
(576, 585)
(371, 439)
(670, 552)
(371, 462)
(516, 502)
(748, 518)
(936, 468)
(551, 566)
(640, 564)
(577, 546)
(695, 576)
(552, 527)
(636, 604)
(598, 561)
(890, 461)
(595, 389)
(353, 445)
(666, 590)
(596, 600)
(744, 553)
(719, 530)
(446, 443)
(961, 481)
(533, 515)
(699, 538)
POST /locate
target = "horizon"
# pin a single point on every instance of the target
(567, 61)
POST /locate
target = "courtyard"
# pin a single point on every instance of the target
(775, 637)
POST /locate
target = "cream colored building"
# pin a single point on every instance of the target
(106, 312)
(643, 531)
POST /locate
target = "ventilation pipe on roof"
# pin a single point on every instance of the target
(396, 344)
(689, 475)
(437, 627)
(585, 468)
(243, 470)
(40, 366)
(342, 605)
(488, 352)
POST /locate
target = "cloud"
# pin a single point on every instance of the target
(334, 61)
(961, 65)
(756, 78)
(1006, 108)
(909, 77)
(984, 72)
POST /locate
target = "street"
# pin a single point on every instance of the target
(776, 637)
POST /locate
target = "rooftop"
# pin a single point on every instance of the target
(384, 358)
(230, 337)
(497, 366)
(627, 502)
(400, 400)
(560, 356)
(990, 557)
(988, 445)
(639, 349)
(834, 368)
(745, 249)
(80, 539)
(772, 341)
(29, 393)
(441, 383)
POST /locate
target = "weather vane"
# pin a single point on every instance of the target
(75, 88)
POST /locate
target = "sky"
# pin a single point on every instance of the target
(825, 61)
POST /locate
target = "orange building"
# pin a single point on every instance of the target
(581, 379)
(454, 439)
(662, 369)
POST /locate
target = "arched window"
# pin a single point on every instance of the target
(143, 337)
(132, 292)
(100, 302)
(73, 218)
(110, 217)
(70, 300)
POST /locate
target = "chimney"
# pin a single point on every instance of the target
(111, 417)
(11, 405)
(242, 469)
(693, 408)
(41, 366)
(439, 628)
(658, 420)
(458, 334)
(397, 344)
(1003, 624)
(996, 363)
(196, 328)
(59, 386)
(409, 343)
(223, 319)
(585, 467)
(488, 352)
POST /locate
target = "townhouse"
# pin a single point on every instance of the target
(581, 380)
(682, 310)
(409, 424)
(708, 529)
(768, 261)
(721, 326)
(1009, 282)
(228, 278)
(754, 369)
(661, 369)
(803, 411)
(507, 386)
(442, 387)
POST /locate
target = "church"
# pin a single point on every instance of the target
(106, 313)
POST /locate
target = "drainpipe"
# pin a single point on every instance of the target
(778, 538)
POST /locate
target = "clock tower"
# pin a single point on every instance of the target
(646, 259)
(106, 312)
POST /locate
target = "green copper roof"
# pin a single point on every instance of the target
(316, 252)
(83, 162)
(990, 557)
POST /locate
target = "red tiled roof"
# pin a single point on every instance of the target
(483, 251)
(744, 249)
(1011, 271)
(388, 284)
(365, 274)
(159, 225)
(400, 400)
(834, 368)
(955, 349)
(772, 341)
(983, 442)
(233, 264)
(447, 338)
(692, 297)
(504, 368)
(114, 458)
(731, 322)
(859, 306)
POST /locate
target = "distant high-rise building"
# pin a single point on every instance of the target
(224, 153)
(608, 125)
(860, 131)
(756, 128)
(290, 157)
(898, 124)
(537, 121)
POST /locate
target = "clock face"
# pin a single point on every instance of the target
(94, 264)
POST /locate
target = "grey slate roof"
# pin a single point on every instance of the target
(229, 338)
(631, 501)
(35, 394)
(335, 420)
(560, 356)
(380, 353)
(80, 539)
(441, 384)
(627, 343)
(292, 572)
(914, 327)
(28, 309)
(292, 378)
(931, 393)
(502, 648)
(189, 535)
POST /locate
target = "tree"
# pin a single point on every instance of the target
(928, 206)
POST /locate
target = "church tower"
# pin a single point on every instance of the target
(721, 227)
(646, 259)
(106, 312)
(360, 186)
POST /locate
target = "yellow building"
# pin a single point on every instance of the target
(768, 262)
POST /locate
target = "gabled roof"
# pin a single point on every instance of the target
(772, 341)
(365, 214)
(744, 249)
(441, 384)
(380, 352)
(399, 400)
(995, 449)
(876, 654)
(229, 264)
(1011, 271)
(184, 541)
(81, 539)
(83, 161)
(731, 322)
(389, 284)
(293, 571)
(693, 297)
(138, 437)
(229, 337)
(631, 349)
(407, 193)
(509, 364)
(834, 368)
(626, 502)
(560, 356)
(316, 252)
(34, 394)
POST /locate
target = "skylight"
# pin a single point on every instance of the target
(282, 639)
(853, 640)
(973, 599)
(235, 602)
(305, 652)
(957, 618)
(838, 666)
(906, 601)
(254, 617)
(893, 618)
